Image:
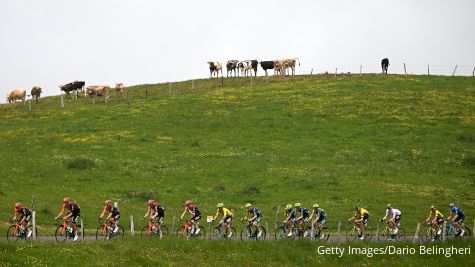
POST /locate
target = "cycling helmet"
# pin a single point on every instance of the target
(451, 205)
(432, 207)
(297, 205)
(151, 202)
(390, 206)
(248, 205)
(66, 200)
(188, 203)
(18, 205)
(315, 205)
(108, 202)
(220, 205)
(288, 207)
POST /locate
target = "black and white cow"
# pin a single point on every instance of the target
(215, 67)
(75, 86)
(231, 66)
(267, 65)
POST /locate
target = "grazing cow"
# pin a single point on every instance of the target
(279, 67)
(254, 64)
(267, 65)
(119, 89)
(385, 65)
(215, 67)
(98, 90)
(17, 94)
(231, 66)
(75, 86)
(36, 93)
(246, 68)
(290, 63)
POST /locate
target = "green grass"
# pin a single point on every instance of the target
(136, 252)
(355, 140)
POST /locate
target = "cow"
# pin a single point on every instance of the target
(245, 68)
(75, 86)
(231, 66)
(279, 67)
(215, 67)
(254, 64)
(17, 94)
(385, 65)
(290, 63)
(36, 92)
(119, 89)
(267, 65)
(98, 90)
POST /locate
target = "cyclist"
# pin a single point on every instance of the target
(196, 216)
(227, 217)
(156, 211)
(290, 218)
(113, 217)
(393, 216)
(256, 217)
(457, 217)
(303, 218)
(361, 222)
(320, 218)
(25, 217)
(74, 213)
(436, 218)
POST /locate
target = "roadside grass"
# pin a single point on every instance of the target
(356, 140)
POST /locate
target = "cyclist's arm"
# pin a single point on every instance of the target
(183, 214)
(216, 216)
(253, 218)
(148, 212)
(15, 213)
(103, 212)
(61, 212)
(385, 217)
(154, 216)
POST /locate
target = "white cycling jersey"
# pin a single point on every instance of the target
(391, 212)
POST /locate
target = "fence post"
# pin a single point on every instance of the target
(94, 98)
(473, 72)
(267, 227)
(62, 101)
(169, 88)
(416, 235)
(173, 226)
(276, 218)
(251, 80)
(453, 74)
(34, 224)
(336, 70)
(361, 68)
(132, 226)
(428, 73)
(29, 105)
(222, 82)
(33, 202)
(405, 72)
(444, 232)
(377, 231)
(311, 72)
(82, 230)
(312, 231)
(209, 230)
(193, 86)
(146, 93)
(473, 232)
(339, 231)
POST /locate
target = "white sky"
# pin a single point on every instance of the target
(51, 42)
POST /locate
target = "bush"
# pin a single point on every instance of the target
(79, 163)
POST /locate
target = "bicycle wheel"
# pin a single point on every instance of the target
(164, 230)
(351, 234)
(180, 234)
(217, 233)
(246, 233)
(322, 235)
(151, 233)
(281, 233)
(426, 234)
(401, 233)
(101, 233)
(201, 233)
(11, 235)
(467, 233)
(120, 232)
(61, 237)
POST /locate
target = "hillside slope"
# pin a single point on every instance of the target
(355, 140)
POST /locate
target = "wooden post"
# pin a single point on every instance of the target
(361, 68)
(33, 202)
(444, 232)
(311, 72)
(29, 105)
(209, 230)
(405, 72)
(267, 227)
(251, 80)
(173, 226)
(416, 235)
(377, 231)
(453, 74)
(339, 231)
(132, 226)
(146, 93)
(276, 218)
(473, 72)
(82, 230)
(94, 98)
(62, 101)
(336, 70)
(193, 86)
(34, 224)
(169, 88)
(312, 231)
(428, 73)
(222, 82)
(473, 232)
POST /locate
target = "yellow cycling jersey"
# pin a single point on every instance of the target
(363, 212)
(226, 213)
(435, 214)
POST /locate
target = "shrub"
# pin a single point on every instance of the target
(79, 163)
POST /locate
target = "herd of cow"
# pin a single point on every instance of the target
(77, 88)
(246, 67)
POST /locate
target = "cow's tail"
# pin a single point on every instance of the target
(297, 60)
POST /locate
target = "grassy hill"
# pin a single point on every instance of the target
(355, 140)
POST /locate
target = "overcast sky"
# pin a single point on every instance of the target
(51, 42)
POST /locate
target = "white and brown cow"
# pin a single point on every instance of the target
(290, 63)
(36, 92)
(98, 90)
(215, 67)
(279, 67)
(119, 89)
(231, 66)
(17, 94)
